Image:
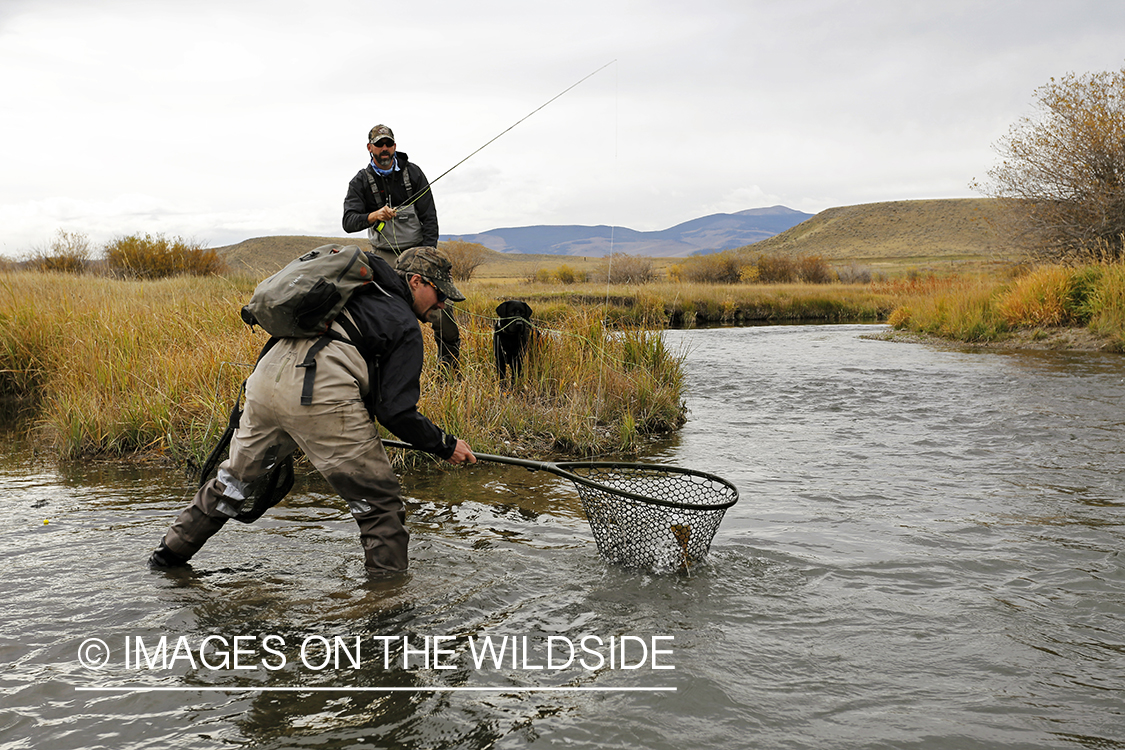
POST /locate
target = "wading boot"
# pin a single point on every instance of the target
(162, 557)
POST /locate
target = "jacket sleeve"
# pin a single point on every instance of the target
(357, 204)
(425, 207)
(395, 402)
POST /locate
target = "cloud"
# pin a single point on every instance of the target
(221, 121)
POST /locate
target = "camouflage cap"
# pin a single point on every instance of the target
(380, 131)
(432, 265)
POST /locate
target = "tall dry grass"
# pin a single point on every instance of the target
(957, 308)
(988, 308)
(120, 366)
(1106, 306)
(589, 385)
(115, 367)
(661, 304)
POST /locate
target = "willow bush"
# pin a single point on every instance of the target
(146, 256)
(1059, 179)
(67, 252)
(742, 266)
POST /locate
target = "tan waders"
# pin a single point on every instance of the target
(336, 434)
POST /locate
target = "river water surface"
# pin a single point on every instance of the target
(927, 553)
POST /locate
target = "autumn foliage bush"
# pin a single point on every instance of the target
(733, 267)
(68, 252)
(466, 257)
(1061, 178)
(157, 257)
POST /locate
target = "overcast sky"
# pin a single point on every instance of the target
(221, 120)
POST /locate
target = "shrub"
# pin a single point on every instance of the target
(715, 268)
(1059, 178)
(734, 267)
(567, 275)
(852, 274)
(776, 269)
(68, 252)
(466, 257)
(148, 257)
(813, 269)
(748, 274)
(619, 268)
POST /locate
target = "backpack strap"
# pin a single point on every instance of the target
(219, 452)
(309, 362)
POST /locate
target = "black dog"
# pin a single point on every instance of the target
(512, 336)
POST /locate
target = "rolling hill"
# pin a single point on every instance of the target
(923, 229)
(950, 228)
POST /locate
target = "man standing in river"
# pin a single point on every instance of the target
(391, 199)
(370, 372)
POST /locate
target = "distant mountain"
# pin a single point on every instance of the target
(708, 234)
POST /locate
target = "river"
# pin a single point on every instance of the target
(927, 553)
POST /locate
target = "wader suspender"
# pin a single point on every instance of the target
(379, 194)
(309, 362)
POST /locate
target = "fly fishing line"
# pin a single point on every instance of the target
(500, 135)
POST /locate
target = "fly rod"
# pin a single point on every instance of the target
(513, 125)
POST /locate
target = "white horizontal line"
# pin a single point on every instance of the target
(216, 688)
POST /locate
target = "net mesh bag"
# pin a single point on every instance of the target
(659, 518)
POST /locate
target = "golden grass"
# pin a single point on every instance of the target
(116, 367)
(993, 307)
(122, 366)
(665, 303)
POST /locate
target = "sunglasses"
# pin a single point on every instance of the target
(441, 296)
(383, 143)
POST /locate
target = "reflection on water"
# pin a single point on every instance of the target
(927, 553)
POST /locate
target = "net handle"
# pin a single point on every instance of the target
(558, 470)
(524, 462)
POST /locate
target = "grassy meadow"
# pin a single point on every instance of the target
(125, 367)
(110, 367)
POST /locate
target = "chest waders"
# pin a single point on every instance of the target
(390, 238)
(271, 488)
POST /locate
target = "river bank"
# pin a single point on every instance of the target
(111, 368)
(1039, 339)
(1080, 307)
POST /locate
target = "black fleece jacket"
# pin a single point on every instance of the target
(360, 200)
(391, 342)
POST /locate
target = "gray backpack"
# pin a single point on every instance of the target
(302, 299)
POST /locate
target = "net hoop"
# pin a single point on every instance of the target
(729, 498)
